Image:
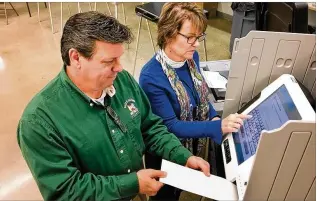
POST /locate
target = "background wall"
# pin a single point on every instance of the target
(224, 7)
(312, 17)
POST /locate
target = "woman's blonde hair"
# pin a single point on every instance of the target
(172, 18)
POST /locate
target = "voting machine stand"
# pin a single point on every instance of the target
(285, 163)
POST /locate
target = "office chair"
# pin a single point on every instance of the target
(50, 13)
(79, 11)
(116, 13)
(149, 11)
(69, 13)
(5, 10)
(27, 5)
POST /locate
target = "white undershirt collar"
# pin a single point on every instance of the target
(173, 64)
(110, 91)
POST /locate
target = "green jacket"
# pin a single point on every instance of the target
(77, 151)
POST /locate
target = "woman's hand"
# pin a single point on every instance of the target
(233, 122)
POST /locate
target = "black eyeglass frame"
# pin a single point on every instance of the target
(200, 38)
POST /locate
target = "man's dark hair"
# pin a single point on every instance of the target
(82, 30)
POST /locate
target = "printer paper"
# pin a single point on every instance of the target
(215, 80)
(195, 181)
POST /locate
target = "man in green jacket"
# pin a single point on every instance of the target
(83, 136)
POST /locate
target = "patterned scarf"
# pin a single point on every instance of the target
(186, 113)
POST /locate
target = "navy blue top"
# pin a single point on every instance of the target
(165, 104)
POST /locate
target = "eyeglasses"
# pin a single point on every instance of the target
(192, 39)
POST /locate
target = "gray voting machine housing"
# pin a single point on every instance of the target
(285, 163)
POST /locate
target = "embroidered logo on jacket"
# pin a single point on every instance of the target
(130, 104)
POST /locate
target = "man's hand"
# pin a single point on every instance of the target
(147, 181)
(233, 122)
(195, 162)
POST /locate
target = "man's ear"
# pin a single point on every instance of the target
(74, 57)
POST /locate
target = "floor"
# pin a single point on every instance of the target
(30, 58)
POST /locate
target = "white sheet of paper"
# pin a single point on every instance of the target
(215, 80)
(195, 181)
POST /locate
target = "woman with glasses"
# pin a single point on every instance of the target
(176, 89)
